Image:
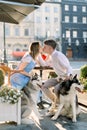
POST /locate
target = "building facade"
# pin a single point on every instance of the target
(62, 20)
(74, 28)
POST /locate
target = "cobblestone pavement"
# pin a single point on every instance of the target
(46, 123)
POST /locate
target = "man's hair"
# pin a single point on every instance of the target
(51, 43)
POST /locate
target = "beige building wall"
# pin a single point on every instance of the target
(52, 28)
(40, 23)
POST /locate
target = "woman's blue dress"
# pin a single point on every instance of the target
(19, 80)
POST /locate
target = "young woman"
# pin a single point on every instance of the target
(21, 76)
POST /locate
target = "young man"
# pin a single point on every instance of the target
(43, 60)
(61, 66)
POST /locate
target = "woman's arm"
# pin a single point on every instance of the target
(21, 69)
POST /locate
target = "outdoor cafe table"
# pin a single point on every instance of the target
(42, 68)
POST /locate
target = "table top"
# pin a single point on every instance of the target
(43, 68)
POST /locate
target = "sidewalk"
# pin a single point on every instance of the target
(46, 123)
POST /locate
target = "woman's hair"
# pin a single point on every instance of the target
(34, 49)
(51, 43)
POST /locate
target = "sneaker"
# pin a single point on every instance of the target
(40, 105)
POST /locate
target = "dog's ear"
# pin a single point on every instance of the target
(36, 74)
(71, 77)
(34, 77)
(75, 77)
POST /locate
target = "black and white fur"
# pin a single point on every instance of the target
(68, 105)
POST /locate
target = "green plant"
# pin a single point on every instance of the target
(83, 76)
(1, 77)
(9, 95)
(83, 71)
(52, 75)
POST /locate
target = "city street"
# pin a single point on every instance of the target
(77, 64)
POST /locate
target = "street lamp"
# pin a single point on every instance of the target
(84, 40)
(77, 45)
(69, 41)
(77, 42)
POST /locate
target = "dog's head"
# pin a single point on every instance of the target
(69, 85)
(76, 85)
(36, 81)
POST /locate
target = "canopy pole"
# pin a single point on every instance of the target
(5, 60)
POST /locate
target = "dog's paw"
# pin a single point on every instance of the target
(54, 118)
(49, 114)
(74, 120)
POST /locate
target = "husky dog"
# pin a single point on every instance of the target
(68, 105)
(28, 103)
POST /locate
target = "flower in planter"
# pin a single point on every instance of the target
(9, 95)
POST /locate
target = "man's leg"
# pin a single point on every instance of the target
(48, 84)
(39, 100)
(46, 89)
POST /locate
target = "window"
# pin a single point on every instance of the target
(38, 31)
(55, 19)
(84, 34)
(74, 8)
(47, 19)
(17, 31)
(67, 33)
(47, 9)
(74, 34)
(7, 30)
(25, 49)
(25, 45)
(84, 20)
(17, 49)
(9, 45)
(75, 19)
(66, 7)
(38, 19)
(26, 32)
(55, 0)
(83, 8)
(55, 9)
(66, 19)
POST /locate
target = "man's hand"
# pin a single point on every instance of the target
(69, 77)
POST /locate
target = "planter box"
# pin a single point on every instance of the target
(10, 112)
(82, 98)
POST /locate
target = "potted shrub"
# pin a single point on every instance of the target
(10, 102)
(83, 79)
(2, 75)
(83, 76)
(52, 74)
